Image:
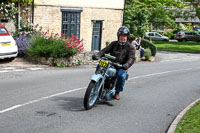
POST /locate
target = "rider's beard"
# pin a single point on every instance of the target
(122, 41)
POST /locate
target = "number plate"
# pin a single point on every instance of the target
(103, 63)
(6, 44)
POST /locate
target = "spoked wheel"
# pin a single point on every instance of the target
(91, 94)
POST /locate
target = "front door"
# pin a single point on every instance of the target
(96, 35)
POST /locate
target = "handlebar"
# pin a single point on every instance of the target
(110, 57)
(116, 64)
(107, 57)
(95, 57)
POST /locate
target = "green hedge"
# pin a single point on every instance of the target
(54, 46)
(147, 44)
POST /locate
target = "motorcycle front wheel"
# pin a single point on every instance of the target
(91, 94)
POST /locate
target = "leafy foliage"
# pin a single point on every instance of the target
(8, 10)
(147, 44)
(27, 29)
(23, 41)
(136, 19)
(54, 46)
(140, 15)
(170, 34)
(147, 54)
(22, 1)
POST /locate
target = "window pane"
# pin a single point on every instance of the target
(72, 17)
(78, 17)
(158, 35)
(151, 34)
(72, 29)
(64, 30)
(96, 31)
(77, 31)
(71, 23)
(65, 19)
(2, 30)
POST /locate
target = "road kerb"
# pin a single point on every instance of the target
(174, 124)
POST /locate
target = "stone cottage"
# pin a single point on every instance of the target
(94, 21)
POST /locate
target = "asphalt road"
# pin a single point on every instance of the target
(51, 100)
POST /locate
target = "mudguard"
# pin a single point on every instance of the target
(96, 77)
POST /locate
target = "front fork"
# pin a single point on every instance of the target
(100, 90)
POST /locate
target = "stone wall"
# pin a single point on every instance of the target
(112, 20)
(112, 4)
(85, 58)
(50, 18)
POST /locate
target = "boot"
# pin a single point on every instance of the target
(117, 97)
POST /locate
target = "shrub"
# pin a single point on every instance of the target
(23, 41)
(79, 62)
(147, 54)
(54, 46)
(57, 63)
(147, 44)
(189, 26)
(23, 37)
(8, 10)
(131, 37)
(169, 34)
(27, 29)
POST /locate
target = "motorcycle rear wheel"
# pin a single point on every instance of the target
(91, 94)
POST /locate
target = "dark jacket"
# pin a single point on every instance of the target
(124, 54)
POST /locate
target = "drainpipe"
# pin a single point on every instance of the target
(123, 12)
(19, 14)
(33, 12)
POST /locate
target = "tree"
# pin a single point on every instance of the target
(141, 14)
(136, 19)
(194, 6)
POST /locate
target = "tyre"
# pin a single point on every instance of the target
(10, 59)
(92, 94)
(184, 40)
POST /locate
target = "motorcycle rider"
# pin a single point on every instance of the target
(125, 55)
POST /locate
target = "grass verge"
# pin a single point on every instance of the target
(190, 123)
(191, 47)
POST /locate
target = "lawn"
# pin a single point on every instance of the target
(191, 47)
(190, 123)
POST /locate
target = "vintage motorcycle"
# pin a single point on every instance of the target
(102, 84)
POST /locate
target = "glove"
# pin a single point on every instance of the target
(125, 66)
(95, 57)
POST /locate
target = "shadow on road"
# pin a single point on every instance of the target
(70, 103)
(75, 103)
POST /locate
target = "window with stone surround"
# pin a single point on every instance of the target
(71, 22)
